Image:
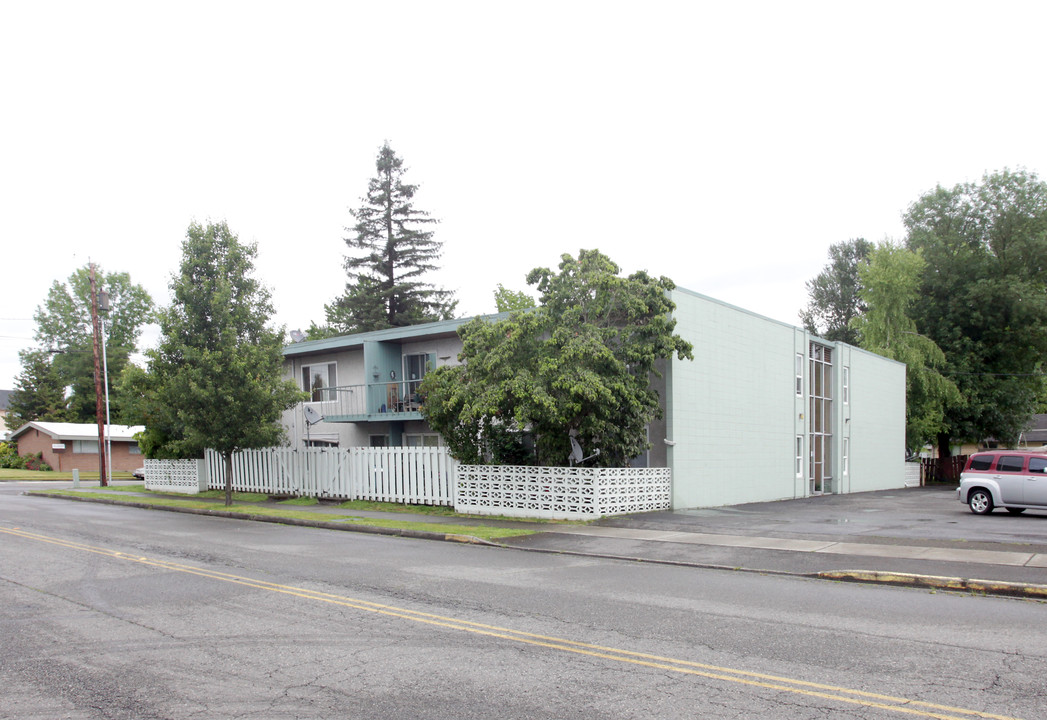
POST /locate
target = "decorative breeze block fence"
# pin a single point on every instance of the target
(561, 493)
(423, 476)
(176, 476)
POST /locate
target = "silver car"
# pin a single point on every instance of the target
(1011, 479)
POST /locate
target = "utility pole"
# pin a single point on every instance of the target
(96, 324)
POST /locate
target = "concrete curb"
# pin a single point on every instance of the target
(322, 524)
(955, 584)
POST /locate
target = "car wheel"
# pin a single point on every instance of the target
(980, 502)
(1015, 511)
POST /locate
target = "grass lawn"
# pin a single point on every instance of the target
(9, 474)
(485, 532)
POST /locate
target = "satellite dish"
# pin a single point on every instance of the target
(312, 416)
(297, 336)
(577, 455)
(576, 451)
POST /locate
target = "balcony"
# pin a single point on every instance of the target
(372, 402)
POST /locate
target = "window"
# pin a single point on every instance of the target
(819, 418)
(315, 378)
(846, 456)
(378, 441)
(982, 462)
(1010, 463)
(1038, 465)
(421, 440)
(799, 456)
(87, 447)
(846, 385)
(799, 374)
(133, 449)
(415, 368)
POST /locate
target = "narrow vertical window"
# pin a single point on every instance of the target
(799, 374)
(799, 456)
(846, 456)
(846, 385)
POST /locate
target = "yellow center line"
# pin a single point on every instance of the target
(686, 667)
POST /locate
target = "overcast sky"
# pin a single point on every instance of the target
(725, 145)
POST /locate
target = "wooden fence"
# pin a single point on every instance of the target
(942, 470)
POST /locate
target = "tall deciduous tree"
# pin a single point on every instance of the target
(580, 364)
(64, 328)
(890, 283)
(214, 380)
(392, 247)
(835, 293)
(507, 300)
(38, 393)
(984, 297)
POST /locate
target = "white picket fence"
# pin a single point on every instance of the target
(423, 476)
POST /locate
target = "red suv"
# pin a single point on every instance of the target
(1010, 479)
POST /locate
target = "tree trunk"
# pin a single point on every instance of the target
(944, 448)
(228, 478)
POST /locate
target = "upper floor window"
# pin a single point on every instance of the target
(846, 385)
(317, 380)
(799, 374)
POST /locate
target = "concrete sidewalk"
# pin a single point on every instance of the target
(918, 536)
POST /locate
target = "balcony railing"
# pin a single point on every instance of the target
(371, 399)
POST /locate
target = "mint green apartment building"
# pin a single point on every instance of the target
(765, 411)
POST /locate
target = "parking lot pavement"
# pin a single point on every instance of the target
(874, 536)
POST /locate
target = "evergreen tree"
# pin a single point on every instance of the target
(215, 378)
(38, 393)
(392, 248)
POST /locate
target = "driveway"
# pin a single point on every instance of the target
(930, 515)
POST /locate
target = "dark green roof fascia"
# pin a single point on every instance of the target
(410, 332)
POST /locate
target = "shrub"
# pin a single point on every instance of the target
(9, 457)
(35, 461)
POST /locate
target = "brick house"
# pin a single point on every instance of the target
(69, 446)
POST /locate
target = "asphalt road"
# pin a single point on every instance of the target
(112, 612)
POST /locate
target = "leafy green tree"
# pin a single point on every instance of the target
(214, 380)
(506, 300)
(63, 327)
(392, 247)
(38, 393)
(983, 299)
(581, 364)
(890, 283)
(834, 295)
